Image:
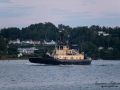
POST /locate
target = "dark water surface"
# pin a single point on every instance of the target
(23, 75)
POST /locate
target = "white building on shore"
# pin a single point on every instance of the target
(17, 41)
(27, 50)
(102, 33)
(48, 42)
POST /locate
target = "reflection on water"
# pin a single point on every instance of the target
(23, 75)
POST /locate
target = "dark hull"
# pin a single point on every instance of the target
(52, 61)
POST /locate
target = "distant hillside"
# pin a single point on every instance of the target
(89, 39)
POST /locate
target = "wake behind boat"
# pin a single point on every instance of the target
(64, 53)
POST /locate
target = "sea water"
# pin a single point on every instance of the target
(23, 75)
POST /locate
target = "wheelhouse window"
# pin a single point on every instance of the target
(61, 47)
(57, 47)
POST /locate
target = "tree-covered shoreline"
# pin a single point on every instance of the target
(87, 38)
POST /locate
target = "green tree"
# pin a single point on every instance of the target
(3, 45)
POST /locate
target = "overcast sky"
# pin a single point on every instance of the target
(22, 13)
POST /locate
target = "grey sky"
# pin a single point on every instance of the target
(21, 13)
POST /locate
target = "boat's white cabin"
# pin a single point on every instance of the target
(64, 52)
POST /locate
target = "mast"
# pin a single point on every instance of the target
(62, 36)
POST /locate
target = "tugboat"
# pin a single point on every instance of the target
(63, 54)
